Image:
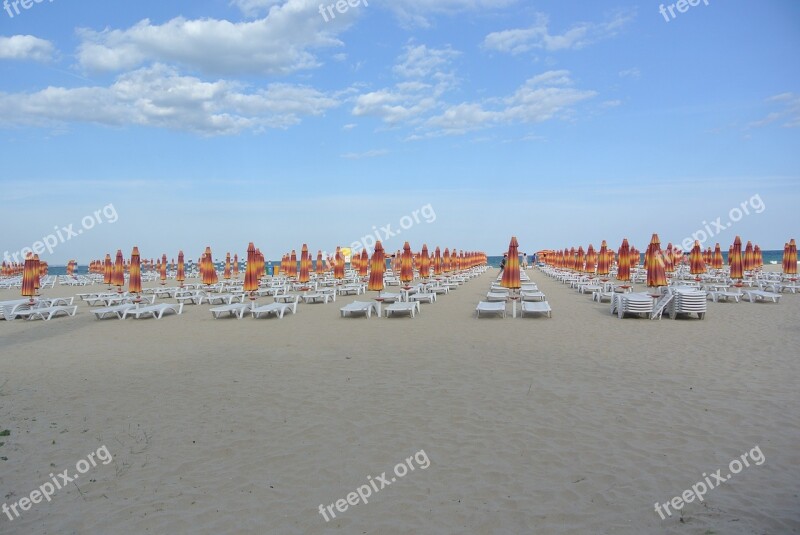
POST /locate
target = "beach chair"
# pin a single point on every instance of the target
(155, 311)
(233, 309)
(404, 307)
(424, 297)
(46, 313)
(631, 303)
(359, 307)
(536, 307)
(688, 302)
(279, 309)
(117, 310)
(491, 307)
(761, 295)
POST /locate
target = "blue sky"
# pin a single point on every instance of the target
(564, 123)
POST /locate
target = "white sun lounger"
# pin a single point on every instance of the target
(314, 296)
(760, 295)
(491, 307)
(530, 295)
(279, 309)
(221, 299)
(536, 307)
(234, 309)
(359, 307)
(497, 296)
(155, 311)
(404, 307)
(426, 297)
(46, 313)
(117, 310)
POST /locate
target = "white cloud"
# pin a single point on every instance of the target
(282, 42)
(424, 81)
(420, 61)
(630, 73)
(160, 97)
(789, 116)
(26, 47)
(541, 98)
(538, 36)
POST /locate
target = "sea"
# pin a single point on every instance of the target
(494, 261)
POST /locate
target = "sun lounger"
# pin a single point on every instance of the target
(404, 307)
(497, 296)
(491, 307)
(9, 308)
(279, 309)
(117, 310)
(195, 297)
(389, 297)
(536, 307)
(720, 295)
(426, 297)
(233, 309)
(314, 296)
(155, 311)
(532, 295)
(46, 313)
(760, 295)
(359, 307)
(221, 299)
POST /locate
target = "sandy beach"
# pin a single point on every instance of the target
(578, 423)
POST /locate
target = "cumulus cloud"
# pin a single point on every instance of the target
(282, 42)
(26, 47)
(159, 96)
(538, 36)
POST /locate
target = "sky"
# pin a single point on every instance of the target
(455, 123)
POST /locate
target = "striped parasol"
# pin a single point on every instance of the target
(377, 269)
(717, 261)
(697, 265)
(654, 263)
(406, 264)
(749, 260)
(437, 262)
(135, 278)
(180, 276)
(591, 260)
(305, 265)
(603, 259)
(251, 272)
(226, 274)
(735, 259)
(363, 264)
(320, 264)
(235, 266)
(107, 270)
(209, 272)
(510, 278)
(162, 269)
(338, 264)
(29, 275)
(118, 278)
(446, 264)
(424, 263)
(790, 258)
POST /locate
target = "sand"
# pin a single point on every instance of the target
(574, 424)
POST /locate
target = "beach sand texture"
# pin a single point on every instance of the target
(574, 424)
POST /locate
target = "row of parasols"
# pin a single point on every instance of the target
(658, 263)
(407, 263)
